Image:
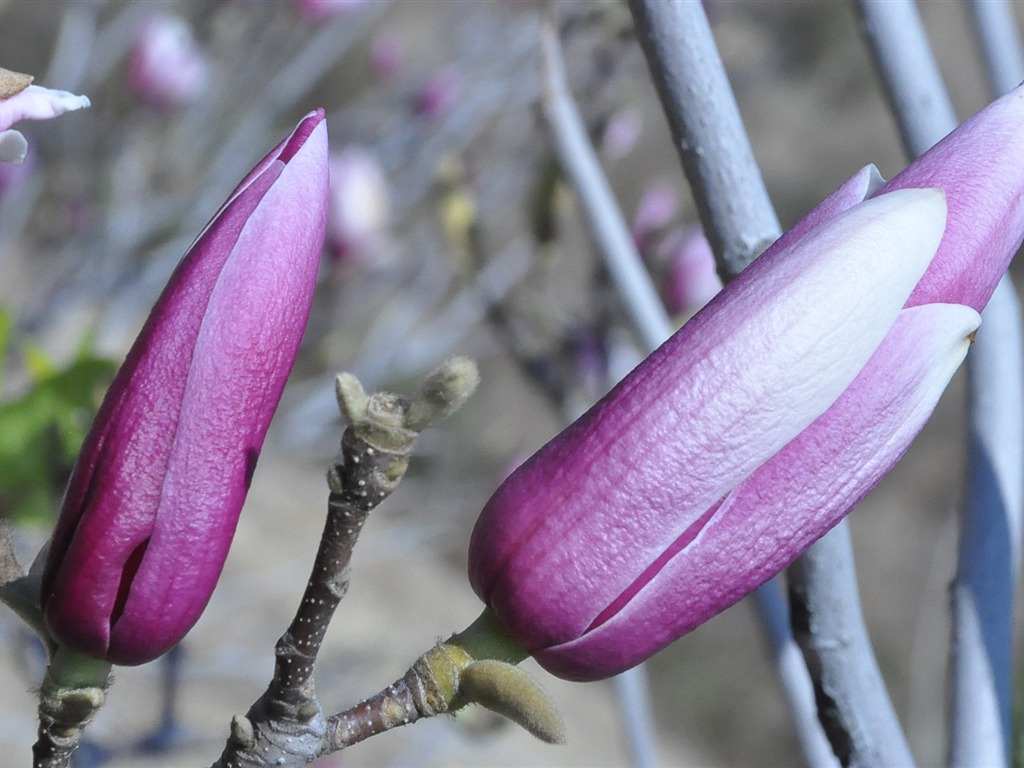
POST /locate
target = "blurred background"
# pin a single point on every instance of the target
(452, 232)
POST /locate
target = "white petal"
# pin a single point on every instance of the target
(13, 147)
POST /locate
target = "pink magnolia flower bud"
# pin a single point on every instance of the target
(152, 503)
(438, 94)
(691, 278)
(166, 67)
(32, 103)
(657, 207)
(724, 455)
(622, 132)
(320, 10)
(359, 204)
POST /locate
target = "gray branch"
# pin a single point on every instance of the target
(733, 203)
(999, 40)
(829, 624)
(604, 219)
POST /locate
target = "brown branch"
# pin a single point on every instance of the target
(476, 666)
(403, 702)
(286, 726)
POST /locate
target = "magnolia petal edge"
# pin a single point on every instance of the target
(611, 484)
(788, 503)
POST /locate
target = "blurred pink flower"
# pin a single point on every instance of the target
(33, 103)
(690, 279)
(359, 204)
(386, 55)
(437, 95)
(656, 209)
(166, 67)
(319, 10)
(621, 133)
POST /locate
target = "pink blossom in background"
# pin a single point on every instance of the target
(438, 94)
(33, 103)
(621, 133)
(152, 504)
(359, 204)
(386, 54)
(166, 67)
(319, 10)
(658, 205)
(690, 279)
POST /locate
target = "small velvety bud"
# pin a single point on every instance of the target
(742, 440)
(154, 498)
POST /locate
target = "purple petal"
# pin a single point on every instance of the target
(579, 522)
(38, 103)
(153, 501)
(787, 504)
(979, 167)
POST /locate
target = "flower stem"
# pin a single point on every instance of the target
(73, 689)
(286, 725)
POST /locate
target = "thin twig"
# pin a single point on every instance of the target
(402, 703)
(287, 720)
(913, 84)
(606, 223)
(988, 561)
(286, 725)
(990, 539)
(604, 218)
(828, 624)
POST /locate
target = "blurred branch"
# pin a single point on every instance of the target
(605, 222)
(913, 84)
(999, 41)
(829, 626)
(68, 64)
(991, 516)
(597, 202)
